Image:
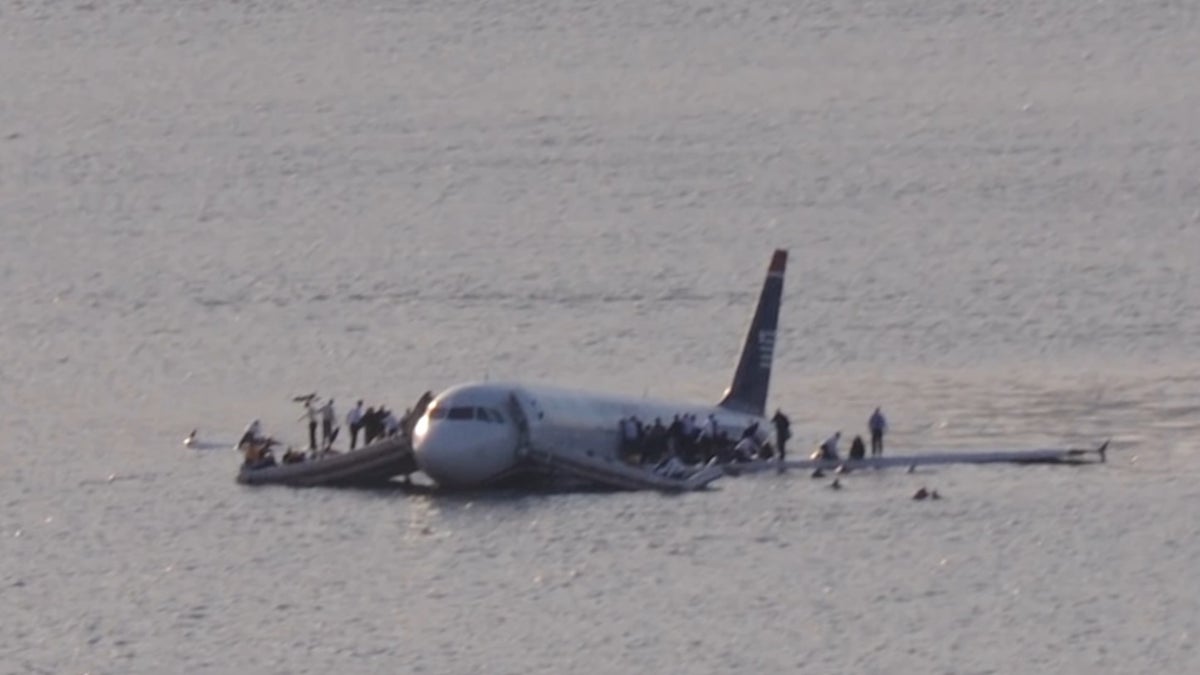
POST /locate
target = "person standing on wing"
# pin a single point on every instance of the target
(354, 423)
(877, 424)
(783, 431)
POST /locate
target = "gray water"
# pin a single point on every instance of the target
(993, 214)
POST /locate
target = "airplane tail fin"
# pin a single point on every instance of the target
(748, 393)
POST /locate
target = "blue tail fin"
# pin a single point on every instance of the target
(748, 393)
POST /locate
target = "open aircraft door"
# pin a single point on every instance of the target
(525, 436)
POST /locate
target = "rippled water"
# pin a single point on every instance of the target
(993, 215)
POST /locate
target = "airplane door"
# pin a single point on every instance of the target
(525, 436)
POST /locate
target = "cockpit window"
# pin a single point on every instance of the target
(490, 415)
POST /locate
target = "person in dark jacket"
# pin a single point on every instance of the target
(858, 449)
(783, 431)
(372, 424)
(878, 425)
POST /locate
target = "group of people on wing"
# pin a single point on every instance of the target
(876, 424)
(690, 440)
(374, 423)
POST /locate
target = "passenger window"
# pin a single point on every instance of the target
(461, 413)
(497, 417)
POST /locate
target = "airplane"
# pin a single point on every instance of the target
(483, 433)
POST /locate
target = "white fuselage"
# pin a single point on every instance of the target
(472, 434)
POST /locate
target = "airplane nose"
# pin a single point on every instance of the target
(464, 453)
(436, 452)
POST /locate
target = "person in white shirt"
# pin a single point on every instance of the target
(354, 423)
(328, 421)
(310, 414)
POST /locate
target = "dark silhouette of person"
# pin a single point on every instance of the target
(783, 431)
(372, 424)
(858, 449)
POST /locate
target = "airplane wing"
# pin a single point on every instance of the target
(1042, 456)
